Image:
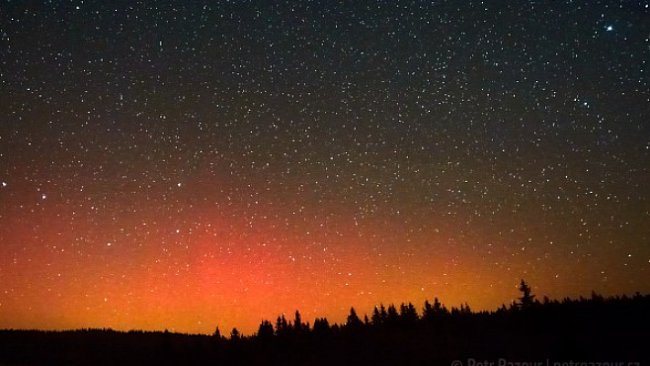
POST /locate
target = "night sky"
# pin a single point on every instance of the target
(184, 166)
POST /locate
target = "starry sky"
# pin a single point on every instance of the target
(184, 165)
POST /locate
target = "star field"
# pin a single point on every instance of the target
(179, 165)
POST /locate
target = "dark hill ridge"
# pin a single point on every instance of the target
(596, 330)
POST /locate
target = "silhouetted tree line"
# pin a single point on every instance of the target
(584, 329)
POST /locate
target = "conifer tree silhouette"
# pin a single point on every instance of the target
(438, 308)
(526, 300)
(376, 317)
(392, 317)
(265, 331)
(321, 326)
(408, 314)
(353, 320)
(298, 326)
(427, 310)
(281, 325)
(234, 334)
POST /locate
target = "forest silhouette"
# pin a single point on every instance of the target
(612, 331)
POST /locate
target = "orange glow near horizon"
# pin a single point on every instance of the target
(229, 273)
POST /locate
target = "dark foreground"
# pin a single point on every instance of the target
(550, 333)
